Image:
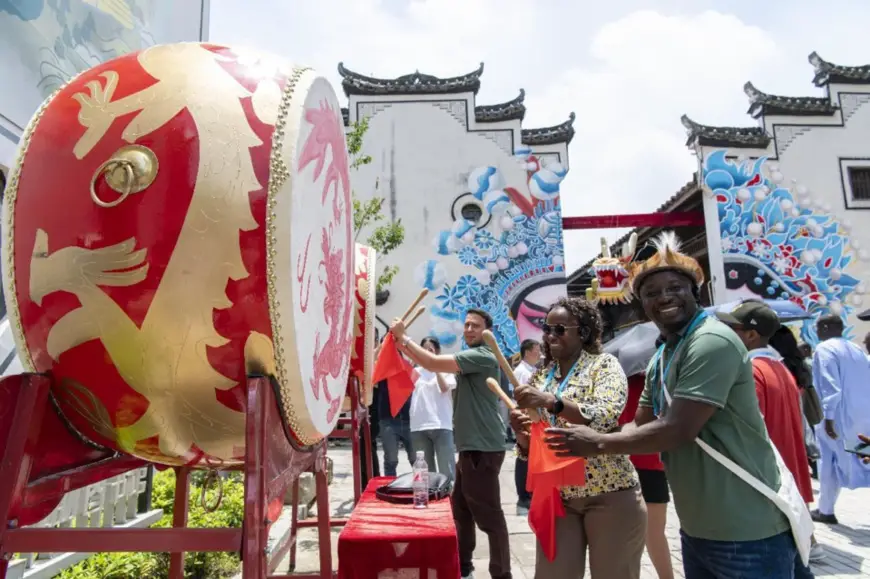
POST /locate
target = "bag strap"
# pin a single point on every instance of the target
(732, 466)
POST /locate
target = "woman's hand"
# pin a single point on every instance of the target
(531, 397)
(520, 421)
(521, 424)
(574, 441)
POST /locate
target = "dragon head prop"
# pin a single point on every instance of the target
(668, 257)
(611, 282)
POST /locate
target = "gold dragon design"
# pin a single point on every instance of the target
(165, 360)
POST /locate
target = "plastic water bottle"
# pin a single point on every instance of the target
(421, 482)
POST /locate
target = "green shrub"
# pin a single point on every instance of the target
(156, 565)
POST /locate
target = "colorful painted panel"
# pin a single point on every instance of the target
(511, 256)
(44, 43)
(776, 246)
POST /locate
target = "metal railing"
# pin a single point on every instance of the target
(114, 502)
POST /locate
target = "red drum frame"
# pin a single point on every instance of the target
(267, 475)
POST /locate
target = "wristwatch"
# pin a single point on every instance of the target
(558, 405)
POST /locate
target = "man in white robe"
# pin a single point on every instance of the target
(841, 375)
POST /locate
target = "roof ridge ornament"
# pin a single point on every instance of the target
(828, 72)
(713, 136)
(416, 82)
(561, 133)
(762, 103)
(753, 93)
(514, 109)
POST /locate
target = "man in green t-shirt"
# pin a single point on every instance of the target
(700, 385)
(478, 431)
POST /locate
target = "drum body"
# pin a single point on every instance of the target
(362, 356)
(178, 218)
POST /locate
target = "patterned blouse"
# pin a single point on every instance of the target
(599, 388)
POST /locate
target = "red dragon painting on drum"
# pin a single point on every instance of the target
(150, 248)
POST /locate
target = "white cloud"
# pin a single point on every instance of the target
(629, 74)
(629, 153)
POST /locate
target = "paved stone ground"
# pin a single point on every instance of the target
(847, 544)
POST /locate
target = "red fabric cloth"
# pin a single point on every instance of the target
(547, 474)
(381, 536)
(779, 400)
(398, 372)
(635, 389)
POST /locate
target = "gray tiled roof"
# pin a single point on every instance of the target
(510, 110)
(827, 72)
(562, 133)
(416, 83)
(768, 104)
(738, 137)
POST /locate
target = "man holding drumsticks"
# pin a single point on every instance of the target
(479, 435)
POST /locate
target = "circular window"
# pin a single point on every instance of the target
(467, 207)
(472, 212)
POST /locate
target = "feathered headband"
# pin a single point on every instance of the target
(667, 257)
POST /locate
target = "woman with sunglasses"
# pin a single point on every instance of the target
(581, 385)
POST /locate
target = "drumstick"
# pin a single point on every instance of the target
(490, 341)
(414, 304)
(494, 386)
(416, 315)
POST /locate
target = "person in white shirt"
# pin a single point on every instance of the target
(432, 415)
(530, 350)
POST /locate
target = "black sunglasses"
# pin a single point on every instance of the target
(556, 329)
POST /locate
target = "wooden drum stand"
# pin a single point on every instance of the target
(271, 466)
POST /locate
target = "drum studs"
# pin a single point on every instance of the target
(130, 170)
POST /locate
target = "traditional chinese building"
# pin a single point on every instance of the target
(478, 195)
(785, 201)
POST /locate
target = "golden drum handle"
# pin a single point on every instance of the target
(110, 166)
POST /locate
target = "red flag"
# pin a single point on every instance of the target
(547, 474)
(398, 373)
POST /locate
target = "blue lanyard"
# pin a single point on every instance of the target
(664, 372)
(562, 386)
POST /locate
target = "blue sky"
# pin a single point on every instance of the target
(628, 68)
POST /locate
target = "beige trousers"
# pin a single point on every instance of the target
(611, 525)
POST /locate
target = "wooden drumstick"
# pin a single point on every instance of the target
(414, 304)
(496, 389)
(489, 340)
(416, 315)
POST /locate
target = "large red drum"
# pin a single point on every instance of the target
(362, 359)
(177, 218)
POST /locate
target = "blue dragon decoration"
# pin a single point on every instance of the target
(800, 254)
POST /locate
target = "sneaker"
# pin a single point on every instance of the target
(522, 511)
(469, 576)
(817, 553)
(821, 518)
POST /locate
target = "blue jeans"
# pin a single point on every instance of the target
(437, 445)
(394, 430)
(771, 558)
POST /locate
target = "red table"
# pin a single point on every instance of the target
(380, 537)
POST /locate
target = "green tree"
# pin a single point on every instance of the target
(384, 236)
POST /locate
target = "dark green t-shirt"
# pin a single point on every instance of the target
(713, 367)
(477, 424)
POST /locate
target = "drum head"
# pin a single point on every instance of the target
(310, 264)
